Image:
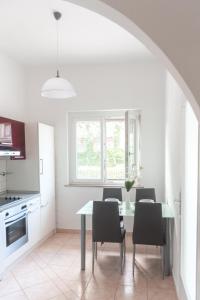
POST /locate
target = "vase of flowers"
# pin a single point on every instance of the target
(128, 186)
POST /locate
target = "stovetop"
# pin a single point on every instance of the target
(8, 199)
(12, 198)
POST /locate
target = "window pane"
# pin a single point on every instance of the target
(88, 150)
(132, 147)
(115, 149)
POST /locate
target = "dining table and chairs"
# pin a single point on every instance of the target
(152, 224)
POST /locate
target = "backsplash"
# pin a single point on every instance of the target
(2, 178)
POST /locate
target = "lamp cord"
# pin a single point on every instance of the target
(57, 45)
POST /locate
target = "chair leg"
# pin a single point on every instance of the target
(124, 250)
(163, 262)
(96, 250)
(121, 257)
(93, 252)
(134, 250)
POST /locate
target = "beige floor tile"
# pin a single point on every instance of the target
(159, 283)
(49, 248)
(25, 265)
(98, 285)
(127, 292)
(61, 271)
(64, 288)
(8, 285)
(50, 273)
(138, 281)
(29, 279)
(60, 297)
(158, 294)
(15, 296)
(98, 294)
(43, 291)
(42, 259)
(82, 278)
(62, 260)
(59, 239)
(77, 287)
(70, 295)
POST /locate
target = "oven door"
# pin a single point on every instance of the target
(16, 232)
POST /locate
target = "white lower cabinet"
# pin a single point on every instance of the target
(41, 223)
(47, 219)
(34, 224)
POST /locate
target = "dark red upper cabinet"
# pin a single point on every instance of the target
(12, 137)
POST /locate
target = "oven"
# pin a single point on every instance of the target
(15, 228)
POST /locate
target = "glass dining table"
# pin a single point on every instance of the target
(128, 211)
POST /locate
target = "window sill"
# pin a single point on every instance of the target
(98, 185)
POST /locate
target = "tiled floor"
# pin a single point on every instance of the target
(52, 271)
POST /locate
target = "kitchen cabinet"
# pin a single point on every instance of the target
(37, 172)
(2, 267)
(34, 224)
(47, 178)
(12, 135)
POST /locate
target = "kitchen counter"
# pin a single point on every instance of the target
(20, 197)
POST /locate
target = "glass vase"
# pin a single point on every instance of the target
(128, 199)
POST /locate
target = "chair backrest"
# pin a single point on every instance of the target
(112, 193)
(145, 193)
(148, 228)
(106, 222)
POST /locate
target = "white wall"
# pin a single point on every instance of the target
(181, 147)
(175, 103)
(12, 97)
(189, 205)
(13, 88)
(137, 85)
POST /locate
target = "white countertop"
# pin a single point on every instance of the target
(24, 195)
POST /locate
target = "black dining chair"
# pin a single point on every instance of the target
(106, 228)
(149, 228)
(113, 193)
(145, 193)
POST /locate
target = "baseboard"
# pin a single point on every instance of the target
(72, 231)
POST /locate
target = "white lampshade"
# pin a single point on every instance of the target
(57, 88)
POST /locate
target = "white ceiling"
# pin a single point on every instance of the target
(28, 33)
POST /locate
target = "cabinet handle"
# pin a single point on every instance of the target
(41, 166)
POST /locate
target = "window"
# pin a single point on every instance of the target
(114, 149)
(88, 150)
(104, 146)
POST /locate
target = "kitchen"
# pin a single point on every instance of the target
(27, 216)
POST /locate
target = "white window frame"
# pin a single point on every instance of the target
(101, 116)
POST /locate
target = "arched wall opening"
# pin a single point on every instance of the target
(37, 76)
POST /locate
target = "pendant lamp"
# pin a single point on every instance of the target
(57, 87)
